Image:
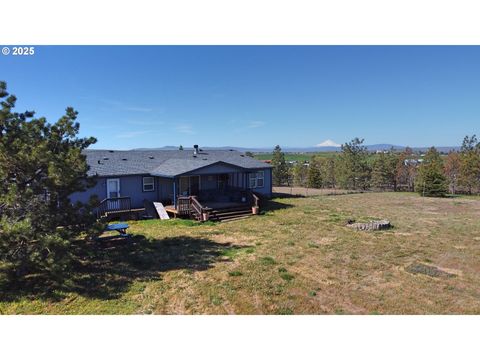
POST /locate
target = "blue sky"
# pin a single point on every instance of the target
(254, 96)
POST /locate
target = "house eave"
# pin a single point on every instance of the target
(209, 165)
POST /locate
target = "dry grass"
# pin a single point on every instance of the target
(298, 258)
(302, 191)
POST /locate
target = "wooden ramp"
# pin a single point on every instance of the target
(162, 214)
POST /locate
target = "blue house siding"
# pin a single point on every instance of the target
(99, 190)
(165, 188)
(266, 189)
(131, 186)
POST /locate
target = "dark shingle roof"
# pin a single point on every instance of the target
(167, 163)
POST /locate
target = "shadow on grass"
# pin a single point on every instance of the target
(268, 205)
(106, 268)
(284, 195)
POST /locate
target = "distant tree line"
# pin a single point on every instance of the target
(355, 168)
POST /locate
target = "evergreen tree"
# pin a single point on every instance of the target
(300, 173)
(353, 169)
(380, 173)
(280, 168)
(452, 170)
(430, 179)
(391, 168)
(314, 174)
(41, 166)
(328, 172)
(180, 147)
(384, 171)
(469, 177)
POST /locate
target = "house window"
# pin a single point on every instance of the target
(148, 183)
(260, 175)
(256, 179)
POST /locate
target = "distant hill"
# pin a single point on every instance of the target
(374, 147)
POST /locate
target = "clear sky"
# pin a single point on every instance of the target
(254, 96)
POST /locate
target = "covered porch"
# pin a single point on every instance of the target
(211, 187)
(205, 196)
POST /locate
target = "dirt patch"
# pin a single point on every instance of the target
(433, 271)
(325, 240)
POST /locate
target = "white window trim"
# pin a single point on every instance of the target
(152, 184)
(262, 177)
(117, 180)
(258, 175)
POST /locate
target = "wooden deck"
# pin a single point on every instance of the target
(124, 214)
(213, 206)
(170, 209)
(186, 206)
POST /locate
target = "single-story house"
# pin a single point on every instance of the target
(183, 180)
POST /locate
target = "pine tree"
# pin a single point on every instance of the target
(328, 172)
(380, 174)
(391, 168)
(430, 180)
(180, 147)
(384, 171)
(469, 177)
(452, 170)
(314, 174)
(353, 169)
(280, 169)
(41, 166)
(300, 173)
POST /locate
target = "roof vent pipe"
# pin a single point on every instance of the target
(195, 149)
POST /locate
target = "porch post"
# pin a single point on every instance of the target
(174, 194)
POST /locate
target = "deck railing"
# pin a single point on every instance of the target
(254, 199)
(113, 205)
(196, 208)
(183, 205)
(191, 206)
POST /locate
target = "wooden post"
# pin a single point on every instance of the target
(174, 195)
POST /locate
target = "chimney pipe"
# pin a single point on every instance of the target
(195, 149)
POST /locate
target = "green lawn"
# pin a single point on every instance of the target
(297, 258)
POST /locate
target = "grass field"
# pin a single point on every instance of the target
(297, 258)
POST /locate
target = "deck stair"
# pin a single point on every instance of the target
(229, 214)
